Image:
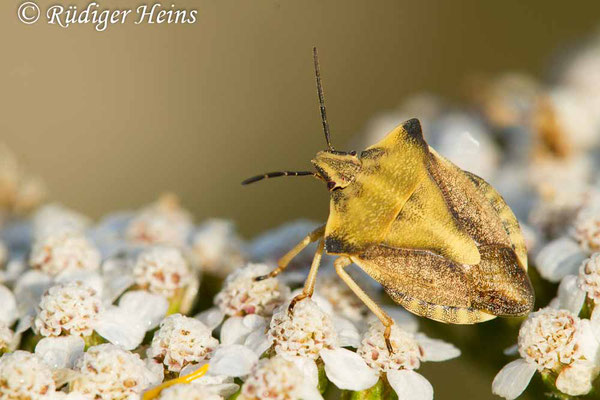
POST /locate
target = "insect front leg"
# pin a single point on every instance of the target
(340, 264)
(309, 284)
(286, 259)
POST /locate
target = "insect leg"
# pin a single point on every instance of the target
(309, 284)
(340, 264)
(285, 260)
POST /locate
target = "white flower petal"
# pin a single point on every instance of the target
(348, 335)
(254, 321)
(234, 331)
(321, 301)
(435, 349)
(347, 370)
(410, 385)
(118, 278)
(559, 258)
(233, 360)
(116, 286)
(89, 278)
(595, 321)
(25, 323)
(147, 307)
(8, 313)
(576, 379)
(29, 289)
(211, 317)
(119, 326)
(60, 352)
(156, 370)
(513, 378)
(222, 389)
(308, 392)
(258, 341)
(570, 296)
(308, 367)
(588, 342)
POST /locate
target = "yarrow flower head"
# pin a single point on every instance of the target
(64, 251)
(341, 298)
(243, 295)
(586, 228)
(407, 353)
(191, 391)
(549, 338)
(163, 222)
(19, 191)
(7, 338)
(181, 341)
(589, 277)
(70, 308)
(361, 370)
(109, 372)
(277, 379)
(216, 247)
(305, 332)
(52, 218)
(162, 270)
(24, 376)
(552, 341)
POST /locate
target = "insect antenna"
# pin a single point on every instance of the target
(277, 174)
(321, 98)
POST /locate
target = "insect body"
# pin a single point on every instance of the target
(441, 241)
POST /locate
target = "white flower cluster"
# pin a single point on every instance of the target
(275, 378)
(552, 341)
(70, 308)
(216, 248)
(243, 295)
(304, 333)
(107, 371)
(181, 341)
(589, 277)
(406, 355)
(24, 376)
(64, 250)
(162, 270)
(163, 222)
(19, 191)
(192, 391)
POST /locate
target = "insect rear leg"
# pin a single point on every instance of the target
(289, 256)
(340, 264)
(309, 284)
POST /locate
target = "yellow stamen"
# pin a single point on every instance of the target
(155, 391)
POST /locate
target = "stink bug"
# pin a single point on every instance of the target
(441, 241)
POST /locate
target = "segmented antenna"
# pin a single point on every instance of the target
(321, 98)
(277, 174)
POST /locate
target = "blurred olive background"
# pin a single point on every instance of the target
(111, 119)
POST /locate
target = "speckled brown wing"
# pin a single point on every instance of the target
(432, 286)
(435, 285)
(478, 207)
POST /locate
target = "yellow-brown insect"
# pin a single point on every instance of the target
(441, 241)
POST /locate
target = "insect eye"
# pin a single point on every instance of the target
(330, 185)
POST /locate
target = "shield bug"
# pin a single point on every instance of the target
(441, 241)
